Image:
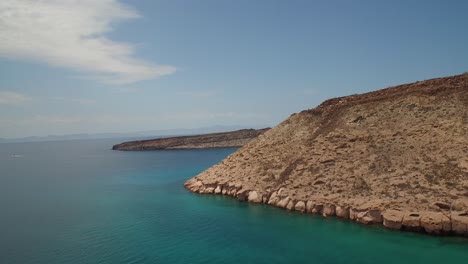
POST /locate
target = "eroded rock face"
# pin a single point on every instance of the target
(328, 210)
(366, 216)
(393, 219)
(283, 202)
(460, 223)
(435, 223)
(342, 212)
(412, 221)
(300, 206)
(395, 157)
(309, 206)
(254, 197)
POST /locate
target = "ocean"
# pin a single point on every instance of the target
(80, 202)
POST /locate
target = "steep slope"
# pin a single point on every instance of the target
(214, 140)
(397, 156)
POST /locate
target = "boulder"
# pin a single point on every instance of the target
(209, 190)
(460, 223)
(412, 221)
(375, 215)
(290, 205)
(318, 209)
(300, 206)
(274, 199)
(392, 219)
(283, 202)
(328, 210)
(254, 197)
(435, 223)
(352, 213)
(368, 216)
(242, 195)
(217, 190)
(342, 212)
(309, 206)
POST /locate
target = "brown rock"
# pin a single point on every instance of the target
(366, 216)
(435, 223)
(342, 212)
(242, 195)
(412, 221)
(328, 210)
(283, 202)
(209, 190)
(274, 199)
(458, 205)
(442, 205)
(300, 206)
(254, 197)
(318, 209)
(393, 219)
(290, 205)
(460, 223)
(309, 206)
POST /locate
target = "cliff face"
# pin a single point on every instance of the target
(397, 156)
(214, 140)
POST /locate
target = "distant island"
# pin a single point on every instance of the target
(396, 157)
(213, 140)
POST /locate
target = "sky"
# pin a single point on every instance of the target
(100, 66)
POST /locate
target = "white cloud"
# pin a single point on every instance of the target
(71, 34)
(12, 98)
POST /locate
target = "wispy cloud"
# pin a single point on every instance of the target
(12, 98)
(71, 34)
(82, 101)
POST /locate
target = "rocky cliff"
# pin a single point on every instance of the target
(397, 157)
(215, 140)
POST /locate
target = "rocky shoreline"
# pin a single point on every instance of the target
(396, 157)
(231, 139)
(443, 222)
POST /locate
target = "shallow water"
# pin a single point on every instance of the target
(79, 202)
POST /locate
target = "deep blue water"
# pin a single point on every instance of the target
(79, 202)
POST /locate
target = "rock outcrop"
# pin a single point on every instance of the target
(215, 140)
(396, 157)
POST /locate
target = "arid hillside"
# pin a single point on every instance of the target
(397, 156)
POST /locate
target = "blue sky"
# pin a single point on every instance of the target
(96, 66)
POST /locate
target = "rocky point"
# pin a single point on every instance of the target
(396, 157)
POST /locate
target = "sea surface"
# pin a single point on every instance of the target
(80, 202)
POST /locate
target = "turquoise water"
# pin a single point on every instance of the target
(79, 202)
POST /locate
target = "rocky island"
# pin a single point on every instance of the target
(214, 140)
(396, 157)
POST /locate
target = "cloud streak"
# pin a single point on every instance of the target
(12, 98)
(72, 34)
